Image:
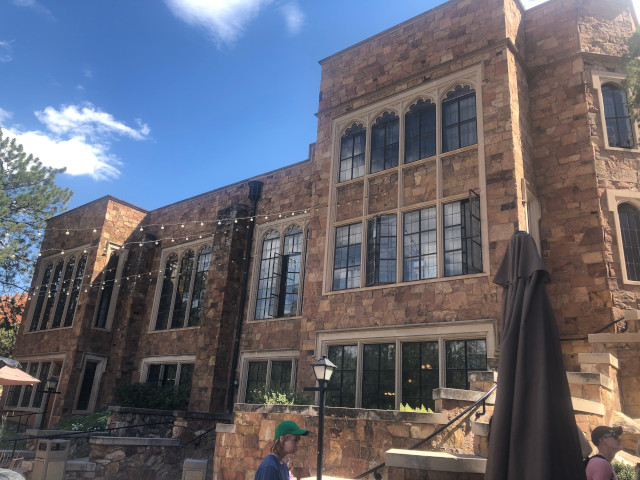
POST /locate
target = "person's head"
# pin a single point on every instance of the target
(607, 439)
(286, 438)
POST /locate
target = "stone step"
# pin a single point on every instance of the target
(586, 378)
(587, 406)
(435, 461)
(614, 337)
(597, 359)
(461, 395)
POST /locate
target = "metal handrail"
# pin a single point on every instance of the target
(466, 411)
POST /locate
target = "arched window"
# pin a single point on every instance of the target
(182, 293)
(616, 114)
(279, 276)
(352, 150)
(630, 230)
(57, 294)
(384, 142)
(420, 131)
(459, 127)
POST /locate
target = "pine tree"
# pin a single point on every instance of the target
(28, 197)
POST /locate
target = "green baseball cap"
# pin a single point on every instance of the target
(289, 427)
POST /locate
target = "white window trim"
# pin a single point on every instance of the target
(483, 329)
(598, 79)
(435, 91)
(42, 266)
(123, 254)
(281, 226)
(165, 359)
(247, 357)
(179, 250)
(101, 360)
(614, 199)
(54, 358)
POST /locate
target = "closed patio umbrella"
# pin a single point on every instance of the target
(15, 376)
(533, 430)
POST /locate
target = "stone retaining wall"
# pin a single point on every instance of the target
(356, 439)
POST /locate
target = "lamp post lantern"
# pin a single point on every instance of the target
(322, 369)
(52, 384)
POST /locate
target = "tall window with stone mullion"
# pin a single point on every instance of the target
(346, 262)
(106, 290)
(630, 230)
(279, 275)
(420, 131)
(384, 142)
(420, 244)
(182, 295)
(616, 113)
(352, 151)
(459, 125)
(381, 250)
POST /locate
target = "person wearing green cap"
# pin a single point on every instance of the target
(285, 442)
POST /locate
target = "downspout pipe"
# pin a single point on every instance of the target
(255, 192)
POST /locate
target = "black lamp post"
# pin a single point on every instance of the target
(323, 369)
(52, 384)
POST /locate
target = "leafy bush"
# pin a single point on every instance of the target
(409, 408)
(287, 397)
(624, 472)
(144, 395)
(87, 423)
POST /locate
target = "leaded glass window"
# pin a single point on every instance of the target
(630, 230)
(420, 244)
(464, 356)
(420, 131)
(378, 376)
(616, 114)
(459, 127)
(106, 290)
(268, 375)
(420, 373)
(381, 250)
(462, 242)
(384, 142)
(352, 151)
(342, 386)
(346, 264)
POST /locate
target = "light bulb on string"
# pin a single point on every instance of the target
(94, 230)
(67, 232)
(162, 227)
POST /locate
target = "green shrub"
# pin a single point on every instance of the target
(144, 395)
(624, 472)
(409, 408)
(87, 423)
(287, 397)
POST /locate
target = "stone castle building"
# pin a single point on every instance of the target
(437, 140)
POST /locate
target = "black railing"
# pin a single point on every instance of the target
(467, 411)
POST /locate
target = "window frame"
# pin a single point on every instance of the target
(281, 226)
(614, 199)
(434, 92)
(101, 361)
(247, 357)
(123, 254)
(178, 360)
(480, 329)
(43, 263)
(179, 251)
(599, 79)
(55, 359)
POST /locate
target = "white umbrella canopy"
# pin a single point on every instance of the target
(15, 376)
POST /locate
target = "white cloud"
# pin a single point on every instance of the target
(225, 20)
(87, 121)
(78, 138)
(5, 52)
(87, 72)
(35, 6)
(5, 115)
(293, 17)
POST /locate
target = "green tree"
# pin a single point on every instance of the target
(631, 64)
(28, 197)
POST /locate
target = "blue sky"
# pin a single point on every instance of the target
(154, 101)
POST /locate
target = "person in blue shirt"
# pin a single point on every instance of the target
(285, 442)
